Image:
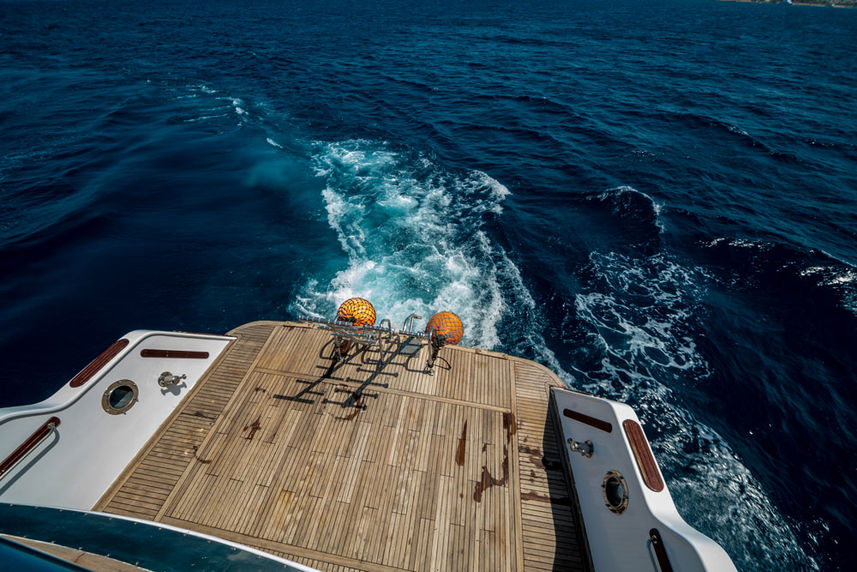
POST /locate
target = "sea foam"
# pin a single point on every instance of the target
(414, 235)
(640, 314)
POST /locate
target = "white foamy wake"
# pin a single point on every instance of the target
(416, 241)
(639, 313)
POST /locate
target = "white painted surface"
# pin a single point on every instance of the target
(621, 541)
(76, 464)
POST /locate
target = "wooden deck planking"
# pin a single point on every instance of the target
(454, 471)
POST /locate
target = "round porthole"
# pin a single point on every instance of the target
(119, 397)
(615, 492)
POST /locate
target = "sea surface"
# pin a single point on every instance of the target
(657, 200)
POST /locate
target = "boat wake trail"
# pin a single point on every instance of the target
(638, 313)
(633, 322)
(417, 239)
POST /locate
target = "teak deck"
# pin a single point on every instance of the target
(364, 466)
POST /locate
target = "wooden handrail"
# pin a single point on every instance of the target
(588, 420)
(32, 441)
(183, 354)
(643, 455)
(99, 362)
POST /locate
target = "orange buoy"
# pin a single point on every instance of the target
(446, 324)
(358, 311)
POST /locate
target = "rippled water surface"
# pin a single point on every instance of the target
(657, 200)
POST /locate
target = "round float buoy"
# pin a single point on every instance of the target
(448, 325)
(357, 311)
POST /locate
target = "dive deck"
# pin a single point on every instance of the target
(363, 465)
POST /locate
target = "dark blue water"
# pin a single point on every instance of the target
(658, 200)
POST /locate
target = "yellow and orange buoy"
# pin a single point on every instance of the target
(357, 311)
(446, 324)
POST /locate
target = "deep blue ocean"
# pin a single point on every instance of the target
(657, 199)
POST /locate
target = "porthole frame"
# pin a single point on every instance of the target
(105, 399)
(620, 508)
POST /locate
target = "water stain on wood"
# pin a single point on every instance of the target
(254, 428)
(533, 496)
(538, 458)
(358, 407)
(535, 455)
(486, 481)
(509, 425)
(462, 445)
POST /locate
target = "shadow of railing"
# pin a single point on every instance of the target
(366, 364)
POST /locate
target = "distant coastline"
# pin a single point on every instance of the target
(833, 3)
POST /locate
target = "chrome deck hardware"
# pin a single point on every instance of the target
(354, 324)
(382, 337)
(586, 449)
(167, 379)
(437, 343)
(408, 326)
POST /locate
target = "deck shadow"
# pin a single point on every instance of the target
(562, 497)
